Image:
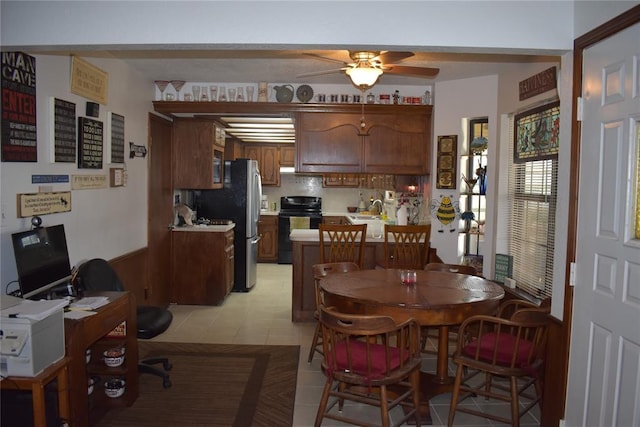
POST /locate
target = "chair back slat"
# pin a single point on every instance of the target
(406, 246)
(344, 243)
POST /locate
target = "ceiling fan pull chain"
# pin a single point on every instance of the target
(362, 122)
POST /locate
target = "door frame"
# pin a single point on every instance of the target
(604, 31)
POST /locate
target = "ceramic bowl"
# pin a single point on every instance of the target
(114, 387)
(88, 355)
(352, 209)
(91, 384)
(114, 357)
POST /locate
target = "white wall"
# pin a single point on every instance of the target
(103, 222)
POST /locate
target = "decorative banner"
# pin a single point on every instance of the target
(88, 80)
(49, 179)
(90, 139)
(19, 137)
(64, 131)
(446, 211)
(87, 182)
(43, 203)
(115, 123)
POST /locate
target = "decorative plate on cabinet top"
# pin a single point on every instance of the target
(304, 93)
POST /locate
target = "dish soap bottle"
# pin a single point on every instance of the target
(361, 206)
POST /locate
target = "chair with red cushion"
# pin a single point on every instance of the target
(494, 346)
(320, 271)
(363, 355)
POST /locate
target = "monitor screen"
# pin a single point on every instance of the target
(42, 259)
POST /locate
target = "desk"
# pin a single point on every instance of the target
(439, 299)
(90, 332)
(58, 371)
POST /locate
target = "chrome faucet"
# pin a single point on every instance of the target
(373, 204)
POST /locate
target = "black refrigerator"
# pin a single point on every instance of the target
(239, 201)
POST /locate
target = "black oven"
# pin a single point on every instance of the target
(295, 207)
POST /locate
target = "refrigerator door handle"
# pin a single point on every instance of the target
(256, 239)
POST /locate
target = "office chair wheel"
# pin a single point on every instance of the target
(166, 383)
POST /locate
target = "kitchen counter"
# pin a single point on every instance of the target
(312, 236)
(206, 228)
(275, 213)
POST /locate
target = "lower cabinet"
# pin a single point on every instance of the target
(334, 220)
(268, 244)
(202, 269)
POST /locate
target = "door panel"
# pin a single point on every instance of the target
(160, 210)
(604, 364)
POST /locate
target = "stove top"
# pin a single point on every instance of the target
(204, 221)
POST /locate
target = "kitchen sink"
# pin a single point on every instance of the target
(375, 223)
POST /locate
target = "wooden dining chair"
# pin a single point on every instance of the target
(346, 242)
(363, 355)
(320, 271)
(406, 246)
(511, 347)
(451, 268)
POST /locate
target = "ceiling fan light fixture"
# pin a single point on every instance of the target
(364, 77)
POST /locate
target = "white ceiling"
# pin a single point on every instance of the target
(283, 66)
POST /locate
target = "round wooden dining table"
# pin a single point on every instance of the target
(439, 299)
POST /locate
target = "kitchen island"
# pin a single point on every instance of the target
(306, 253)
(203, 264)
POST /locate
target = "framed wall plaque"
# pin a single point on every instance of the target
(447, 162)
(90, 143)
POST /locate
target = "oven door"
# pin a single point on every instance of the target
(285, 247)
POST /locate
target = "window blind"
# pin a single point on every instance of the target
(532, 192)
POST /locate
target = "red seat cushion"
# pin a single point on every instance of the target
(359, 358)
(505, 344)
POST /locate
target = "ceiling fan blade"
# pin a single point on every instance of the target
(319, 73)
(412, 71)
(325, 58)
(391, 57)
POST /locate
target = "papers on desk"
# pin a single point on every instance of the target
(89, 303)
(78, 314)
(35, 310)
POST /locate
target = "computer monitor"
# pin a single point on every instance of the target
(42, 259)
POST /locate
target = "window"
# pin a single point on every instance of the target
(532, 197)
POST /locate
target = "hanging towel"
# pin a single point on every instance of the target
(299, 222)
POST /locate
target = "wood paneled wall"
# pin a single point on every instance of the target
(132, 269)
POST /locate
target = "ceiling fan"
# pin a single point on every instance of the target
(368, 66)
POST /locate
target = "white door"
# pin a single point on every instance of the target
(604, 364)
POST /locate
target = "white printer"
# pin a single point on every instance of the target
(28, 346)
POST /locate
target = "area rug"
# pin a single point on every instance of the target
(215, 385)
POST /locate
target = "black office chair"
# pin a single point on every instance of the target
(98, 275)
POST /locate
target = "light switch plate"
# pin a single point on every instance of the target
(509, 282)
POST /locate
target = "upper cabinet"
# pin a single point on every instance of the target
(387, 140)
(198, 154)
(268, 157)
(287, 155)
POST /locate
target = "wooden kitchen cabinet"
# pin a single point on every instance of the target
(395, 139)
(198, 154)
(268, 244)
(203, 265)
(268, 157)
(352, 180)
(288, 155)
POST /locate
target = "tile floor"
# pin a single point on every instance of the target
(263, 316)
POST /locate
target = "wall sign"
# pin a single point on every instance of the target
(90, 143)
(64, 131)
(88, 81)
(87, 182)
(503, 267)
(49, 179)
(43, 203)
(18, 101)
(115, 124)
(537, 84)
